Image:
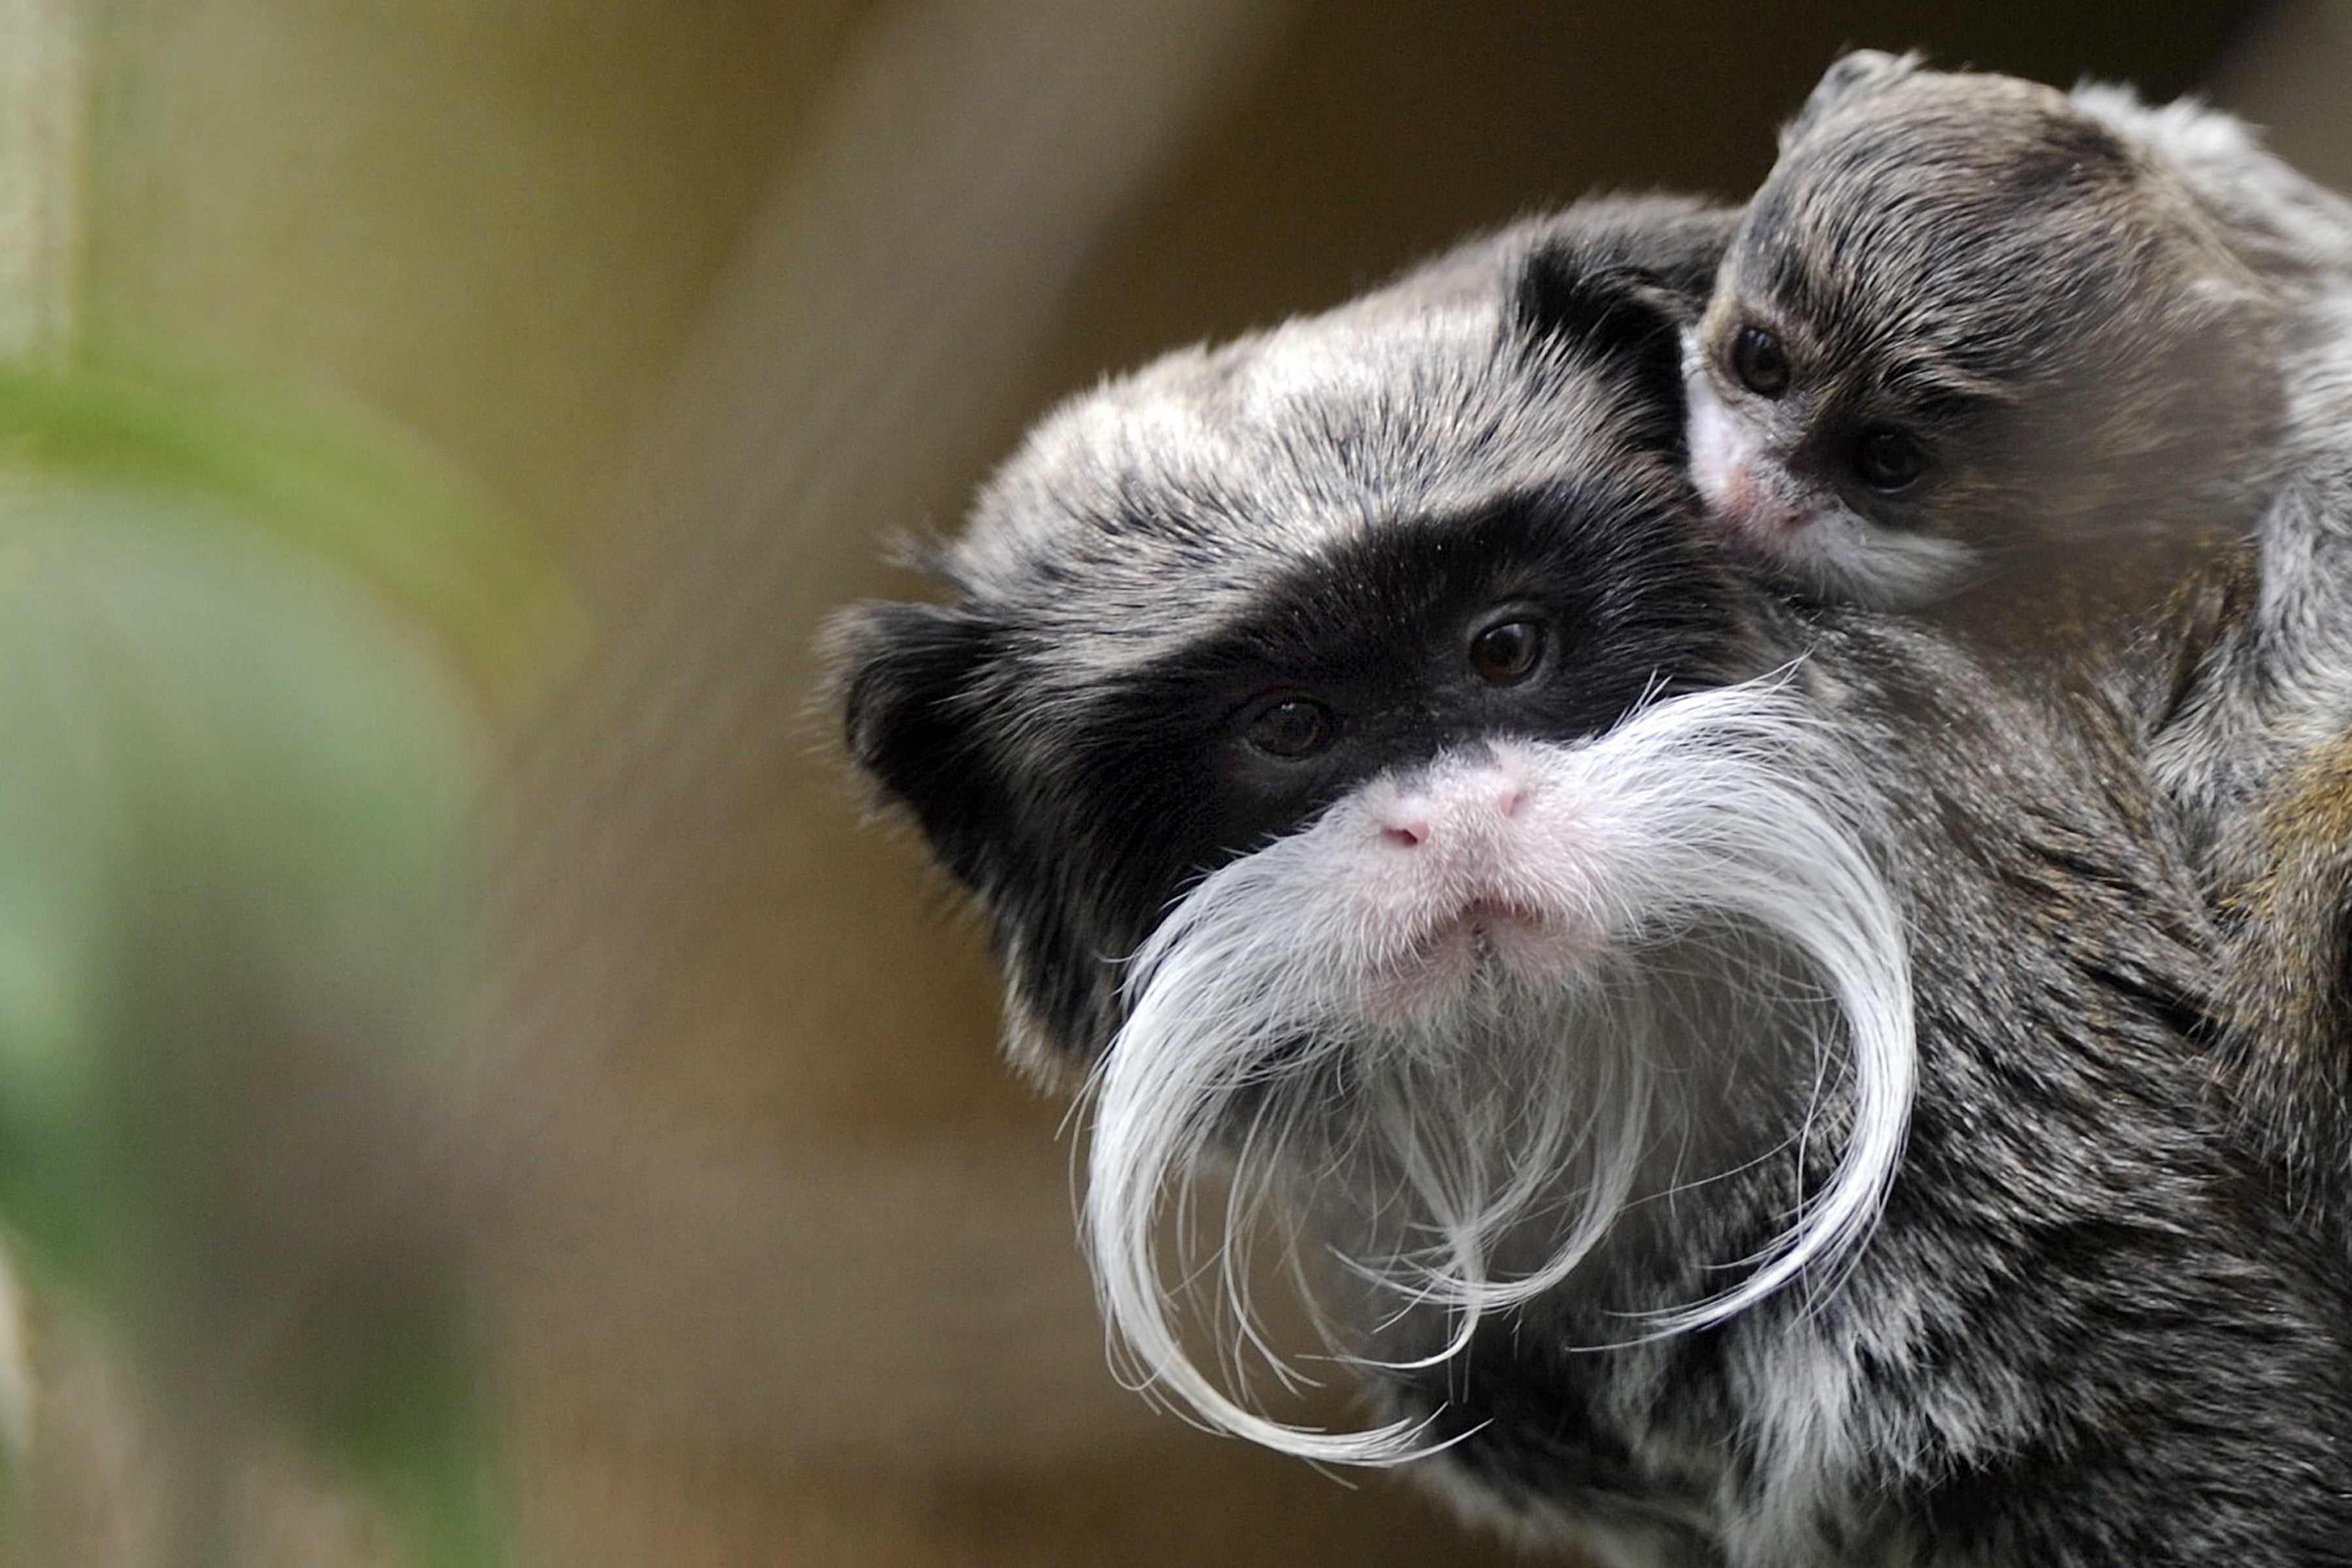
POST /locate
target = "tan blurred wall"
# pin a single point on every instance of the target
(791, 1279)
(494, 221)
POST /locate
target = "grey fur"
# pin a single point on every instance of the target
(2093, 314)
(2082, 1332)
(1215, 468)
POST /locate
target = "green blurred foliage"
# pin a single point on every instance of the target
(248, 669)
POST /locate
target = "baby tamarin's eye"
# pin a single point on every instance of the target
(1507, 654)
(1760, 361)
(1888, 461)
(1291, 727)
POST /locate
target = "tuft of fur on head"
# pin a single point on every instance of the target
(1484, 1136)
(2295, 235)
(1998, 316)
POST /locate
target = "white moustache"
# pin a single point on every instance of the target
(1460, 947)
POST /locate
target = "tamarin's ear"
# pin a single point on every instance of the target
(908, 680)
(1616, 315)
(901, 682)
(1850, 77)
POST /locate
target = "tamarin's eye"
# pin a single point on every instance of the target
(1760, 361)
(1888, 461)
(1291, 727)
(1507, 654)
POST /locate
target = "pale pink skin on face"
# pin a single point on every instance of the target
(1756, 500)
(1480, 860)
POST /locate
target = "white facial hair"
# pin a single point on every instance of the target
(1465, 1036)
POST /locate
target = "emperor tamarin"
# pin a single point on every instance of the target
(1724, 1070)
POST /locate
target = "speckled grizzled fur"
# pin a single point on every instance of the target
(2074, 1265)
(2009, 284)
(2082, 1331)
(2288, 988)
(1145, 514)
(2101, 321)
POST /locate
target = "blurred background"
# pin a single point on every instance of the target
(471, 1091)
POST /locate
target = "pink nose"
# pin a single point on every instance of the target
(1406, 831)
(1415, 817)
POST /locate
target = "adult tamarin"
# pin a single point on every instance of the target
(1722, 1070)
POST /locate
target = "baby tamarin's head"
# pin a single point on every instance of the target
(1967, 312)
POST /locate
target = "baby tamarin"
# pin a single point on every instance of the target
(1974, 329)
(1971, 324)
(1722, 1071)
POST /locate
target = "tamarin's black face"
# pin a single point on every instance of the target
(1208, 602)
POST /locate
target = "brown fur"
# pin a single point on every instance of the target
(2287, 991)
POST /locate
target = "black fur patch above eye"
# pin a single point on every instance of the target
(1607, 311)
